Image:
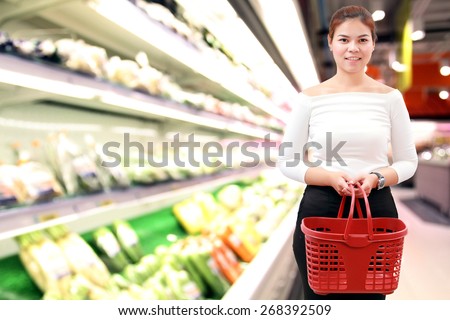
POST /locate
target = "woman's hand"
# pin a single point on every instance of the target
(340, 182)
(367, 183)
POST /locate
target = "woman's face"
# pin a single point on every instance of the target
(352, 46)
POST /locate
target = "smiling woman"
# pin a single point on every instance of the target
(363, 117)
(352, 38)
(352, 46)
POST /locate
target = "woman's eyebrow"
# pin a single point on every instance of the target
(345, 36)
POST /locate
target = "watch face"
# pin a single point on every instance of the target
(381, 183)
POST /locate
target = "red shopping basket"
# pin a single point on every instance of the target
(353, 255)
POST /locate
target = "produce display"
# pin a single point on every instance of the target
(137, 74)
(196, 249)
(62, 168)
(200, 265)
(174, 14)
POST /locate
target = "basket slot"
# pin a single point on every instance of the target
(326, 269)
(322, 229)
(383, 272)
(383, 230)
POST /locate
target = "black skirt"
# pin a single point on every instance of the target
(325, 202)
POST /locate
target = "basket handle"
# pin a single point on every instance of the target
(358, 207)
(352, 205)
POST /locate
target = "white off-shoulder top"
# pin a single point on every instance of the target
(350, 132)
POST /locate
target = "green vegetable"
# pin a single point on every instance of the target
(108, 245)
(128, 240)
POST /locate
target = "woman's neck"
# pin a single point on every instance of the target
(346, 81)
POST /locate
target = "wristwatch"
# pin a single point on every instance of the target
(381, 180)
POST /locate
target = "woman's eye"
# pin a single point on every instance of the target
(343, 40)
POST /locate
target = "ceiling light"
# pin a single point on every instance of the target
(417, 35)
(397, 66)
(418, 32)
(443, 95)
(378, 15)
(445, 71)
(283, 21)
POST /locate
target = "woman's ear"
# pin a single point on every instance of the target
(329, 42)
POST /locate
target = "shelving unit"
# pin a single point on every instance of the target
(27, 81)
(85, 213)
(123, 29)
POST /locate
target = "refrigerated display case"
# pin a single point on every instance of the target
(39, 97)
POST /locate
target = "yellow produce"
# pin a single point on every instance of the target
(190, 215)
(230, 196)
(207, 203)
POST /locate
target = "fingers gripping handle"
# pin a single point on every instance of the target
(358, 208)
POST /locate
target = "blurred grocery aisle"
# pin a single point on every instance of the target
(426, 260)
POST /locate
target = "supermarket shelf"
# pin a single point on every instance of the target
(271, 273)
(125, 29)
(88, 212)
(22, 79)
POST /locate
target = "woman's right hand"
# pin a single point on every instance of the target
(340, 181)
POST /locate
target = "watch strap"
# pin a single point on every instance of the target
(380, 184)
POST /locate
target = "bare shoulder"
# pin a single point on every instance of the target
(378, 87)
(311, 91)
(317, 90)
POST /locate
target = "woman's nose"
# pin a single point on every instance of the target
(353, 47)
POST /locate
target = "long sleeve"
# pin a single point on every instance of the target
(404, 154)
(291, 150)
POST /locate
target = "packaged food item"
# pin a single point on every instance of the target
(80, 56)
(110, 249)
(37, 182)
(226, 260)
(81, 257)
(190, 215)
(11, 189)
(110, 177)
(128, 240)
(243, 239)
(199, 252)
(44, 262)
(73, 168)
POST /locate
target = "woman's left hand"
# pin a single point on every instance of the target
(367, 183)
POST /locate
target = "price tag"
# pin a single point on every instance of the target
(48, 216)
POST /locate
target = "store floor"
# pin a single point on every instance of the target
(426, 254)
